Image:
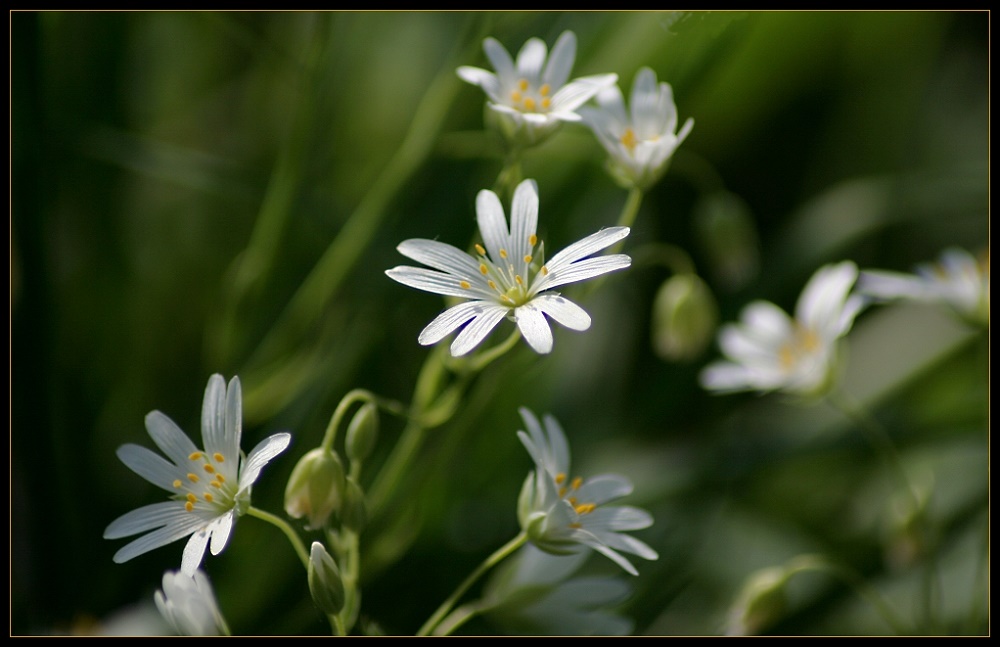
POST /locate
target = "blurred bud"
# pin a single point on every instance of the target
(362, 433)
(354, 513)
(727, 234)
(684, 318)
(316, 487)
(325, 584)
(906, 540)
(761, 602)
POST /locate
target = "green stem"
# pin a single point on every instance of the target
(457, 618)
(357, 395)
(670, 256)
(489, 563)
(284, 527)
(630, 210)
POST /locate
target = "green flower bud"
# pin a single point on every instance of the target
(362, 433)
(354, 513)
(325, 584)
(316, 487)
(684, 318)
(728, 235)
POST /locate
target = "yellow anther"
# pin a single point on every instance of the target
(465, 285)
(545, 270)
(523, 85)
(546, 103)
(220, 478)
(192, 498)
(194, 478)
(529, 103)
(219, 458)
(584, 508)
(628, 139)
(575, 526)
(515, 96)
(545, 89)
(505, 298)
(209, 468)
(177, 482)
(786, 356)
(189, 506)
(483, 268)
(503, 253)
(572, 500)
(810, 341)
(519, 280)
(560, 477)
(480, 250)
(577, 482)
(215, 484)
(195, 456)
(532, 240)
(493, 286)
(562, 492)
(527, 258)
(208, 497)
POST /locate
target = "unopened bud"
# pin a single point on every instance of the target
(316, 487)
(325, 583)
(685, 315)
(362, 433)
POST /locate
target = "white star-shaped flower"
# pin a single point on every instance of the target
(560, 513)
(532, 95)
(210, 487)
(640, 140)
(958, 280)
(188, 604)
(508, 277)
(769, 350)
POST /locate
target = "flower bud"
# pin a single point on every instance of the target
(316, 487)
(362, 433)
(728, 235)
(354, 513)
(325, 584)
(684, 318)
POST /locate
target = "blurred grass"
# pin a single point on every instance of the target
(176, 176)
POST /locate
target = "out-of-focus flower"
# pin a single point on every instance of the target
(210, 487)
(642, 138)
(315, 489)
(508, 277)
(531, 97)
(535, 593)
(768, 350)
(188, 604)
(560, 513)
(684, 318)
(957, 279)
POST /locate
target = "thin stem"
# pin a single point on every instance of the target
(283, 526)
(458, 617)
(357, 395)
(489, 563)
(670, 256)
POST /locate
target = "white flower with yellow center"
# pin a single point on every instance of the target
(508, 276)
(210, 487)
(642, 139)
(561, 513)
(532, 96)
(769, 350)
(958, 279)
(188, 604)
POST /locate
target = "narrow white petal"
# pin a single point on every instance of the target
(535, 329)
(824, 295)
(427, 280)
(500, 59)
(627, 543)
(531, 58)
(726, 377)
(533, 449)
(767, 322)
(492, 223)
(194, 551)
(611, 554)
(619, 518)
(260, 455)
(440, 256)
(158, 538)
(523, 222)
(561, 60)
(213, 414)
(604, 488)
(150, 466)
(477, 330)
(220, 529)
(587, 246)
(148, 517)
(558, 445)
(563, 311)
(578, 91)
(581, 271)
(230, 446)
(449, 320)
(536, 443)
(169, 438)
(485, 79)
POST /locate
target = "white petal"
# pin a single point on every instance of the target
(477, 330)
(534, 328)
(440, 256)
(194, 551)
(627, 543)
(581, 271)
(213, 414)
(150, 466)
(169, 438)
(587, 246)
(449, 320)
(230, 447)
(531, 58)
(523, 222)
(726, 377)
(578, 91)
(483, 78)
(558, 446)
(824, 295)
(608, 552)
(220, 529)
(492, 223)
(561, 60)
(767, 323)
(618, 518)
(563, 310)
(500, 59)
(434, 281)
(260, 456)
(148, 517)
(601, 489)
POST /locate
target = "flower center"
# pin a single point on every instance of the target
(205, 483)
(803, 343)
(628, 140)
(567, 493)
(526, 99)
(511, 278)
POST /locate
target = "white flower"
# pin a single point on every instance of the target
(509, 276)
(958, 280)
(560, 513)
(771, 351)
(188, 604)
(642, 140)
(532, 96)
(210, 487)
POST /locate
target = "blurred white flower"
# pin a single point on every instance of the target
(188, 604)
(640, 140)
(768, 350)
(958, 280)
(532, 97)
(560, 513)
(210, 487)
(508, 277)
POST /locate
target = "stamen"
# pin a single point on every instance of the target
(584, 508)
(192, 498)
(517, 278)
(545, 270)
(546, 103)
(483, 268)
(195, 456)
(572, 501)
(189, 506)
(503, 253)
(208, 497)
(562, 492)
(177, 482)
(786, 356)
(465, 285)
(480, 250)
(505, 298)
(532, 240)
(493, 286)
(194, 478)
(209, 468)
(629, 140)
(529, 104)
(219, 458)
(577, 482)
(523, 85)
(545, 89)
(220, 478)
(527, 258)
(575, 526)
(560, 477)
(515, 96)
(215, 484)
